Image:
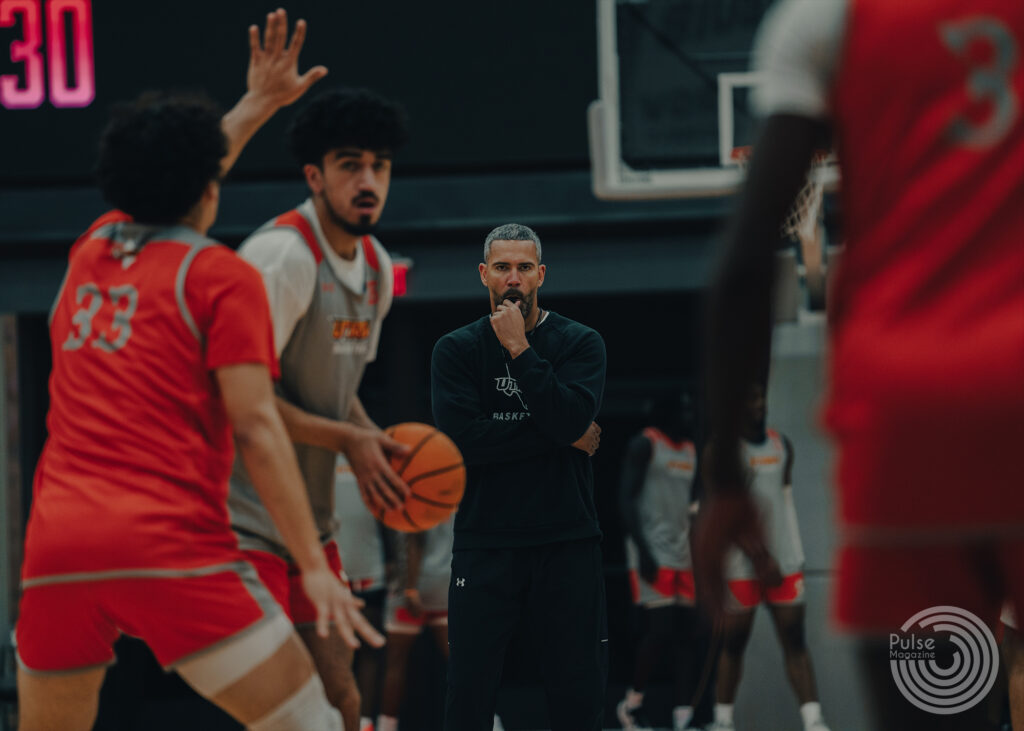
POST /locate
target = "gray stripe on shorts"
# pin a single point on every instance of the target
(236, 566)
(263, 598)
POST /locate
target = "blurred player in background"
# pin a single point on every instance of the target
(658, 492)
(768, 457)
(329, 282)
(162, 347)
(417, 600)
(361, 546)
(927, 316)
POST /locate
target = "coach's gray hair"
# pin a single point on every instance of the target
(511, 232)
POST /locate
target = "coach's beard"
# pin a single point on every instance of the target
(524, 301)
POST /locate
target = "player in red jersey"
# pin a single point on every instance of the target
(162, 351)
(927, 341)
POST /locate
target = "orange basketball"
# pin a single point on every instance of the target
(434, 472)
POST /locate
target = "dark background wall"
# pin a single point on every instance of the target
(489, 85)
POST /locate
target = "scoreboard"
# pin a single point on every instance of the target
(488, 85)
(57, 64)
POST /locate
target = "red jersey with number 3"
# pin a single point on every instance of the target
(928, 313)
(134, 472)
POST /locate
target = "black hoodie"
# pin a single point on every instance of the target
(515, 421)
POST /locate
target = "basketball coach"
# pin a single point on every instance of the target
(518, 391)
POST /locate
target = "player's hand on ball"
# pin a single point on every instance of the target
(273, 74)
(590, 440)
(368, 452)
(510, 327)
(335, 603)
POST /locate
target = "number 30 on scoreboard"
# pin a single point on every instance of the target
(28, 51)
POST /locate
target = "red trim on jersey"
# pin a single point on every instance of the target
(300, 223)
(656, 435)
(371, 254)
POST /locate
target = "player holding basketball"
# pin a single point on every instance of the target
(330, 284)
(161, 349)
(927, 316)
(768, 457)
(518, 392)
(659, 489)
(417, 600)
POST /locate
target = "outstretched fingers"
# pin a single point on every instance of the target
(298, 38)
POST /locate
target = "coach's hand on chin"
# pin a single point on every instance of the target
(510, 327)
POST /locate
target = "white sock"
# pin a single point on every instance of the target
(681, 716)
(810, 712)
(723, 713)
(386, 723)
(634, 699)
(365, 723)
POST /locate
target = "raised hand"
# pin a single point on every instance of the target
(272, 81)
(273, 75)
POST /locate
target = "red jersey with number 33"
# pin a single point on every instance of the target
(928, 312)
(134, 472)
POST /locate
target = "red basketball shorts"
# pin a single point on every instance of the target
(73, 624)
(671, 586)
(284, 580)
(746, 594)
(932, 510)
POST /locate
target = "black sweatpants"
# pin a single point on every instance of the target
(557, 591)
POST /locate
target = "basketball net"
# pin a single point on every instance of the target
(805, 222)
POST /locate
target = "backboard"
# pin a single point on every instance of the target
(674, 83)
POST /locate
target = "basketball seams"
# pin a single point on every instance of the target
(432, 473)
(434, 503)
(413, 452)
(408, 518)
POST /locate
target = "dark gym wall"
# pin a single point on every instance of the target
(489, 85)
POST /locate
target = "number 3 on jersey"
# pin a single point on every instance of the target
(89, 297)
(991, 82)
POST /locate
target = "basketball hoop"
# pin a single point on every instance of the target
(805, 220)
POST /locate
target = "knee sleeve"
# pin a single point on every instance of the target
(306, 710)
